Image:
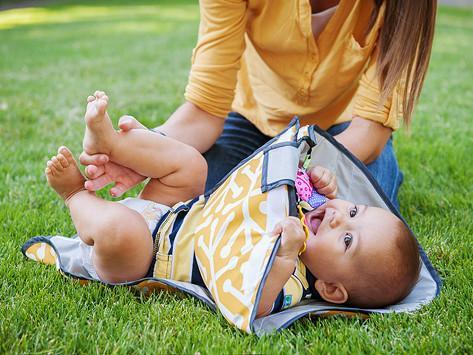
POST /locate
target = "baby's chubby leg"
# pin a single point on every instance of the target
(179, 170)
(120, 236)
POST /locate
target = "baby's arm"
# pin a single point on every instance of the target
(292, 239)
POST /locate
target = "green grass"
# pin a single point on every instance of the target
(52, 57)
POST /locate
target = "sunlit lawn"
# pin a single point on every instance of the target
(52, 57)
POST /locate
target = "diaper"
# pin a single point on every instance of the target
(150, 210)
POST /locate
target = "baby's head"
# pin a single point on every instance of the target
(360, 255)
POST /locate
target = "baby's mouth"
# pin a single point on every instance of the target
(314, 219)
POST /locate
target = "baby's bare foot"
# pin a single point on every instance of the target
(63, 174)
(99, 130)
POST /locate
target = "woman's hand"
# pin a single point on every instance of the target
(292, 237)
(324, 181)
(108, 173)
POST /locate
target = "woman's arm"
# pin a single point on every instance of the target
(193, 126)
(365, 138)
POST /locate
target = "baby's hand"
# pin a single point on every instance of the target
(292, 237)
(324, 181)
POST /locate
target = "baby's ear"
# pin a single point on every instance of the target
(333, 292)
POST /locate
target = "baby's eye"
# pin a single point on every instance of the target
(347, 240)
(353, 211)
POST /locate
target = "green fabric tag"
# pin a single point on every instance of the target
(306, 162)
(287, 300)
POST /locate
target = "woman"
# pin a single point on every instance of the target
(353, 67)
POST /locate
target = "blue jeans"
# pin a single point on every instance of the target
(240, 138)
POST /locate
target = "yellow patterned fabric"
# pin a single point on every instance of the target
(232, 244)
(42, 252)
(229, 234)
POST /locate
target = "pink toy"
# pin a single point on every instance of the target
(306, 192)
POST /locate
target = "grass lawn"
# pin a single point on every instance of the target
(52, 57)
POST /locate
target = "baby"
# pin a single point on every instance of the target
(354, 254)
(359, 255)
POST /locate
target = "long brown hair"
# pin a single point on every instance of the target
(405, 44)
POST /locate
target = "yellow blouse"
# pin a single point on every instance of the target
(260, 58)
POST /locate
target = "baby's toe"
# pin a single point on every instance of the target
(50, 166)
(62, 160)
(98, 94)
(66, 153)
(56, 163)
(101, 106)
(90, 98)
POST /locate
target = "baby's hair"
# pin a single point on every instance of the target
(393, 277)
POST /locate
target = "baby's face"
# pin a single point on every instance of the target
(343, 236)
